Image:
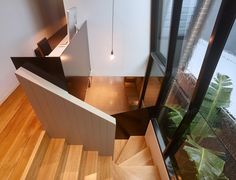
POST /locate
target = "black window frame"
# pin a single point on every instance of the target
(222, 27)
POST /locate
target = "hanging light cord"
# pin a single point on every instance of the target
(112, 31)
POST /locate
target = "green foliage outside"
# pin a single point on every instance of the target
(209, 164)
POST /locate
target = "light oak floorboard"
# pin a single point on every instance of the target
(19, 130)
(15, 137)
(89, 165)
(9, 107)
(21, 163)
(52, 159)
(104, 168)
(72, 162)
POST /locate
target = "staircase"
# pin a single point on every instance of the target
(133, 160)
(55, 159)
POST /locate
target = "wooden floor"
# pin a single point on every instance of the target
(108, 94)
(152, 91)
(19, 132)
(20, 129)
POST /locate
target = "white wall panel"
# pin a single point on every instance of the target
(131, 35)
(75, 58)
(23, 24)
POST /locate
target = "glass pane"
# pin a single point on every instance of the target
(202, 155)
(222, 91)
(165, 27)
(193, 48)
(210, 149)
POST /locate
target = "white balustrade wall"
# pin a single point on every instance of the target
(64, 116)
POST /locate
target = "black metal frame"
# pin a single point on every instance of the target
(145, 82)
(156, 21)
(224, 22)
(172, 62)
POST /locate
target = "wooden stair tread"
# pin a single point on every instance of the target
(52, 159)
(89, 165)
(118, 147)
(136, 173)
(91, 177)
(36, 157)
(133, 146)
(119, 173)
(104, 168)
(142, 158)
(72, 162)
(25, 155)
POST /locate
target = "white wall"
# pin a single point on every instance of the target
(23, 24)
(131, 35)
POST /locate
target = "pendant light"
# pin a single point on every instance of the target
(112, 56)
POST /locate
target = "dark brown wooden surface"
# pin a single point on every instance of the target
(56, 38)
(77, 86)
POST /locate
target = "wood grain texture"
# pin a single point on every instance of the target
(64, 116)
(133, 146)
(72, 162)
(89, 165)
(104, 170)
(155, 150)
(10, 107)
(142, 158)
(36, 157)
(25, 156)
(118, 147)
(139, 172)
(135, 172)
(50, 165)
(19, 130)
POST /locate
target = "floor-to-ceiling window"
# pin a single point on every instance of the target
(197, 116)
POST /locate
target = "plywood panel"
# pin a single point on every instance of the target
(152, 143)
(118, 147)
(64, 116)
(134, 145)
